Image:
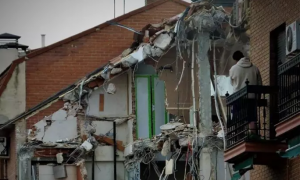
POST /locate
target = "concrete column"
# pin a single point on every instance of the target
(204, 84)
(208, 154)
(23, 156)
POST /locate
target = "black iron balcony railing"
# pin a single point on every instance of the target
(289, 88)
(248, 115)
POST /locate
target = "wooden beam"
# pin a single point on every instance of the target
(101, 102)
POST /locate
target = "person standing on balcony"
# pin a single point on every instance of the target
(239, 73)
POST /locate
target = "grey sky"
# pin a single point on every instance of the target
(58, 19)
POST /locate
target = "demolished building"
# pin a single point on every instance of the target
(138, 101)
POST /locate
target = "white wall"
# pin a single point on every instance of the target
(115, 105)
(123, 132)
(63, 126)
(6, 57)
(46, 172)
(104, 155)
(13, 99)
(105, 170)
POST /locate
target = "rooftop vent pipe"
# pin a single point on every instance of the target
(43, 39)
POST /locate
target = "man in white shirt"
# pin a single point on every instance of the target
(239, 73)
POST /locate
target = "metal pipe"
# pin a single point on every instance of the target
(93, 166)
(33, 172)
(114, 8)
(115, 152)
(43, 40)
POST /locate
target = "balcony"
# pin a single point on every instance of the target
(250, 131)
(289, 96)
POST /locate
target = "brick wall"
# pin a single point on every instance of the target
(265, 16)
(52, 71)
(293, 169)
(268, 173)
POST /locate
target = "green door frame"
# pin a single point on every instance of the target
(151, 103)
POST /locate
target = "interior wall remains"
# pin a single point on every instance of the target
(115, 105)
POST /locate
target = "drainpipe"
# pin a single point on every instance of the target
(115, 152)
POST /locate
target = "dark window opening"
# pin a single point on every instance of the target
(277, 57)
(277, 52)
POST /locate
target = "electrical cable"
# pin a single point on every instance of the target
(186, 162)
(182, 72)
(216, 104)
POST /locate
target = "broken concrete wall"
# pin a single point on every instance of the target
(113, 105)
(13, 99)
(63, 125)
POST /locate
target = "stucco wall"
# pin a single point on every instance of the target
(12, 101)
(63, 125)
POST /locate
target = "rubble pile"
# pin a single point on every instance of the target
(175, 132)
(173, 136)
(141, 151)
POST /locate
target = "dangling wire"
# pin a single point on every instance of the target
(217, 106)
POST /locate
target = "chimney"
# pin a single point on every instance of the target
(43, 39)
(147, 2)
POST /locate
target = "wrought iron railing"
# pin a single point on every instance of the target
(289, 88)
(248, 115)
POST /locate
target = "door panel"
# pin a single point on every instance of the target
(159, 113)
(143, 100)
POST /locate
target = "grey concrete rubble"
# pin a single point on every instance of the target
(115, 71)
